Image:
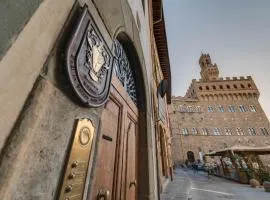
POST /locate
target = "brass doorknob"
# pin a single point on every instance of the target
(134, 182)
(103, 194)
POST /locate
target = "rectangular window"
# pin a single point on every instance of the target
(221, 108)
(231, 108)
(264, 131)
(194, 131)
(251, 131)
(216, 131)
(227, 131)
(210, 109)
(252, 108)
(204, 131)
(239, 131)
(184, 131)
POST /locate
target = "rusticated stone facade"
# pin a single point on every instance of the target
(217, 113)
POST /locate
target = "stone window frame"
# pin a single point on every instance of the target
(205, 131)
(182, 108)
(221, 108)
(210, 109)
(227, 131)
(189, 109)
(198, 108)
(194, 131)
(264, 131)
(239, 131)
(216, 131)
(232, 108)
(242, 108)
(252, 108)
(184, 131)
(251, 131)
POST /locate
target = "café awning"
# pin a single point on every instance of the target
(241, 149)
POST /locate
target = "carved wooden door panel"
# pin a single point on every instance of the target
(115, 174)
(103, 179)
(130, 161)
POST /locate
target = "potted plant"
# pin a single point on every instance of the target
(265, 177)
(266, 185)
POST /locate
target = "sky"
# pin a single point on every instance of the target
(236, 34)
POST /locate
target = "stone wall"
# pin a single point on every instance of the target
(193, 112)
(183, 144)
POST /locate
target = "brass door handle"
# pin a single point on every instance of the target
(103, 194)
(134, 182)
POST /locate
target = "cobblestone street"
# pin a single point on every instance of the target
(190, 186)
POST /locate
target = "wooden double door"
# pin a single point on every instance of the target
(115, 173)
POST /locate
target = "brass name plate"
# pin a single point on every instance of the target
(77, 167)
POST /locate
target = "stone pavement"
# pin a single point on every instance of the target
(178, 188)
(190, 186)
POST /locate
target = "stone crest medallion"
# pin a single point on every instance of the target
(89, 62)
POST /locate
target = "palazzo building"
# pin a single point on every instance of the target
(217, 113)
(84, 89)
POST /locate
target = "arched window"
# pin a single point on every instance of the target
(204, 131)
(214, 87)
(221, 87)
(216, 131)
(251, 131)
(231, 108)
(123, 71)
(242, 108)
(221, 108)
(264, 131)
(252, 108)
(228, 86)
(210, 109)
(200, 87)
(184, 131)
(194, 131)
(207, 87)
(239, 131)
(242, 86)
(227, 131)
(235, 86)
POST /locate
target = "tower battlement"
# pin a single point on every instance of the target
(234, 78)
(212, 84)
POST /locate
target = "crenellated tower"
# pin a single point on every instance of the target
(209, 71)
(212, 87)
(216, 113)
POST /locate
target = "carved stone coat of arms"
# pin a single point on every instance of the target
(89, 62)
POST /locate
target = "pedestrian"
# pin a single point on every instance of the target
(196, 168)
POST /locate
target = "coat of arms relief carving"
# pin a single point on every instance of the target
(89, 62)
(97, 59)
